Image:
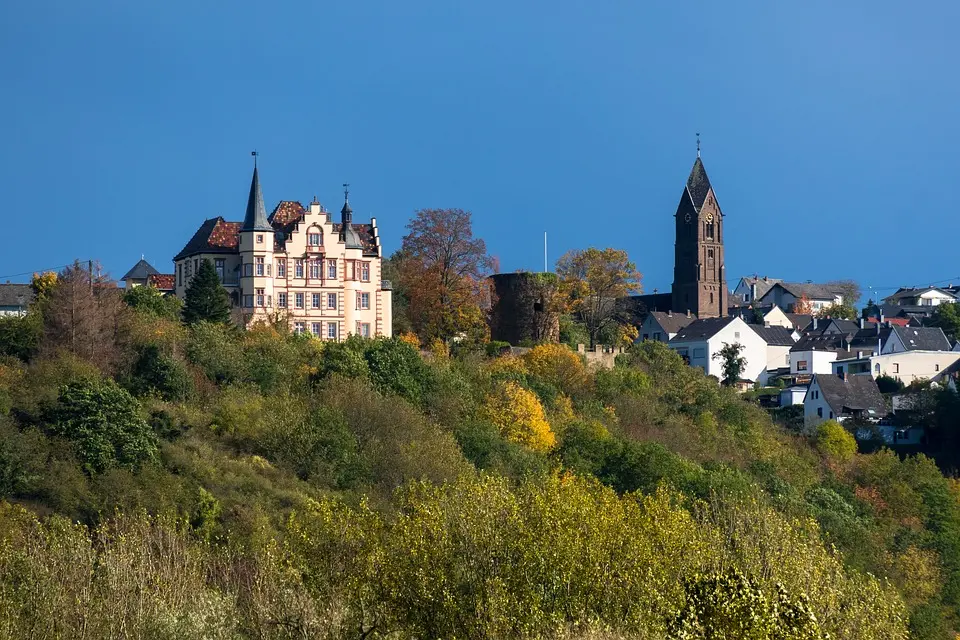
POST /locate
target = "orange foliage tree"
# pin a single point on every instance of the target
(442, 271)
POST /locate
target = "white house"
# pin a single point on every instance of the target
(786, 295)
(906, 366)
(792, 395)
(779, 341)
(15, 299)
(701, 340)
(662, 326)
(752, 288)
(923, 297)
(812, 354)
(831, 397)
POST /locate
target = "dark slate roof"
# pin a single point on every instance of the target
(819, 342)
(775, 336)
(672, 322)
(15, 295)
(702, 329)
(912, 292)
(801, 321)
(922, 338)
(698, 184)
(140, 271)
(256, 216)
(763, 284)
(852, 393)
(836, 325)
(215, 235)
(812, 291)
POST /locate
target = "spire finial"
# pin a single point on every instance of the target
(346, 191)
(255, 154)
(698, 144)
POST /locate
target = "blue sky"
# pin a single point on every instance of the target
(828, 127)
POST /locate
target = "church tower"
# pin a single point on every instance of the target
(699, 273)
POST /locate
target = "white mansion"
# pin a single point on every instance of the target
(323, 277)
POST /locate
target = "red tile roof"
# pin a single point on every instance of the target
(162, 281)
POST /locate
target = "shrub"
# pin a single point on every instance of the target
(148, 300)
(156, 372)
(889, 384)
(834, 442)
(20, 335)
(103, 422)
(519, 416)
(559, 366)
(497, 347)
(215, 348)
(397, 367)
(344, 359)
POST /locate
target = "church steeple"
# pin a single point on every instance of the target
(256, 216)
(699, 275)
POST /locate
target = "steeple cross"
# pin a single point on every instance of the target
(254, 154)
(346, 191)
(698, 144)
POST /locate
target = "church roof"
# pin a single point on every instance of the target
(698, 184)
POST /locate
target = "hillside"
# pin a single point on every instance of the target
(203, 482)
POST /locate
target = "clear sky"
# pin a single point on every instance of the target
(828, 127)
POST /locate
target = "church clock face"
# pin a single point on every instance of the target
(709, 217)
(686, 218)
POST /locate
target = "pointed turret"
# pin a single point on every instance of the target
(256, 216)
(698, 184)
(348, 235)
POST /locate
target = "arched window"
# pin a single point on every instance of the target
(876, 368)
(315, 237)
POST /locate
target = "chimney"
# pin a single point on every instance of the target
(881, 316)
(670, 314)
(688, 313)
(753, 292)
(863, 323)
(814, 322)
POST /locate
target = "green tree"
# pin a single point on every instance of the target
(947, 317)
(732, 361)
(206, 300)
(841, 311)
(397, 367)
(835, 442)
(157, 372)
(20, 335)
(104, 424)
(149, 300)
(592, 280)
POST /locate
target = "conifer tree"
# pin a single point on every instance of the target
(206, 298)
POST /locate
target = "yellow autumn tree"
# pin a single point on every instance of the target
(519, 416)
(558, 365)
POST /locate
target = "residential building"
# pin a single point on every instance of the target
(297, 263)
(143, 273)
(752, 288)
(920, 297)
(906, 366)
(699, 343)
(916, 339)
(663, 326)
(15, 299)
(779, 341)
(792, 395)
(832, 397)
(786, 295)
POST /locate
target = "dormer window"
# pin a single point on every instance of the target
(259, 238)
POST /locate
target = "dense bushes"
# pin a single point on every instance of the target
(336, 489)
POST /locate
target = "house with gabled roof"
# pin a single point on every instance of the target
(321, 276)
(786, 295)
(663, 326)
(841, 398)
(752, 288)
(144, 274)
(779, 341)
(700, 341)
(15, 299)
(920, 297)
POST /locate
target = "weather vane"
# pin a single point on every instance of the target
(346, 191)
(698, 144)
(254, 154)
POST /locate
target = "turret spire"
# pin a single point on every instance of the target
(348, 235)
(256, 216)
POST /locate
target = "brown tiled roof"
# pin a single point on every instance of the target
(162, 281)
(219, 236)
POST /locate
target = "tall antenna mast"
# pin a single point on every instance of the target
(545, 269)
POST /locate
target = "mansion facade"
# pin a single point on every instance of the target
(323, 277)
